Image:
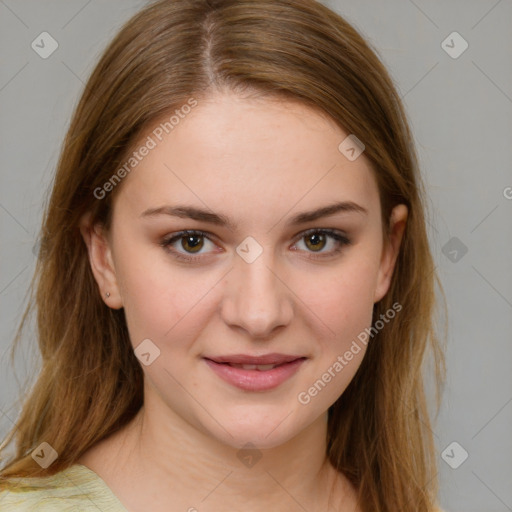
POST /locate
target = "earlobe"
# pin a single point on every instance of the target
(101, 261)
(390, 251)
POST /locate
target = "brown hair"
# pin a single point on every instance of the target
(90, 383)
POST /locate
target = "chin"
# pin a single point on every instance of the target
(261, 432)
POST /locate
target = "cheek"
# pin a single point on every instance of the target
(340, 308)
(342, 300)
(162, 303)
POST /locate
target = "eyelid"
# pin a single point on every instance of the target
(335, 233)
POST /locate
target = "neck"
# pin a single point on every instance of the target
(181, 466)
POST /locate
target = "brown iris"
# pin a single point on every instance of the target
(192, 241)
(318, 241)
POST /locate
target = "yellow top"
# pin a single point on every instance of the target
(75, 489)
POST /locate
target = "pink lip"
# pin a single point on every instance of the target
(255, 380)
(273, 358)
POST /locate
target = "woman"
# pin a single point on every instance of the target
(235, 291)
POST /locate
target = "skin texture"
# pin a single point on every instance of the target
(258, 162)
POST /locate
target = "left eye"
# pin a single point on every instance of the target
(192, 241)
(317, 239)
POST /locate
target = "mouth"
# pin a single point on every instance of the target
(259, 367)
(266, 359)
(252, 373)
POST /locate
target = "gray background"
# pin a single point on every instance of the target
(460, 110)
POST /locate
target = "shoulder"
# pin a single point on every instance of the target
(75, 489)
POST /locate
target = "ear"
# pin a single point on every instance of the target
(390, 251)
(100, 258)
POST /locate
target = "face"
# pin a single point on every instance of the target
(257, 275)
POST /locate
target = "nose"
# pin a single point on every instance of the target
(257, 298)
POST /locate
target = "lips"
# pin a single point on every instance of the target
(260, 367)
(266, 359)
(255, 373)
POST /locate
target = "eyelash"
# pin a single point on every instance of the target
(338, 236)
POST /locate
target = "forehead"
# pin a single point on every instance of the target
(253, 156)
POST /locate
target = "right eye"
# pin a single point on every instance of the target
(191, 241)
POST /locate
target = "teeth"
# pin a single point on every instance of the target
(261, 367)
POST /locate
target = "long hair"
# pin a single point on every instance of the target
(90, 383)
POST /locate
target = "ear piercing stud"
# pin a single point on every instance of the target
(107, 295)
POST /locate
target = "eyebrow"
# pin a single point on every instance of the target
(191, 212)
